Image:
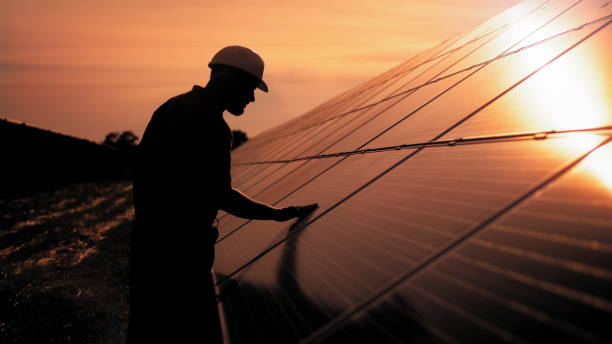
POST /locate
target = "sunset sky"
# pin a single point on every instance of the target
(87, 68)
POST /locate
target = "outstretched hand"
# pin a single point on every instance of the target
(289, 213)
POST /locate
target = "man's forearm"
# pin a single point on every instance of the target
(241, 205)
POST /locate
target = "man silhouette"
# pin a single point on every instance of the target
(182, 180)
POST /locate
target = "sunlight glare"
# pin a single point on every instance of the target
(572, 93)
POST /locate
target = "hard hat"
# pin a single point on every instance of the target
(241, 58)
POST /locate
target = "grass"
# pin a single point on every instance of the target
(64, 257)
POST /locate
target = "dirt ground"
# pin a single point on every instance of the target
(64, 258)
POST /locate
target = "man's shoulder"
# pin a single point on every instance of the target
(185, 100)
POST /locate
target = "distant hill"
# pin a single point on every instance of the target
(34, 157)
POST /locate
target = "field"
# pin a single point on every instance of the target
(64, 257)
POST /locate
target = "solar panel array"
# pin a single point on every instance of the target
(465, 196)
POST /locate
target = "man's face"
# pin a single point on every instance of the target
(240, 93)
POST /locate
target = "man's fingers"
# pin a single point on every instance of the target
(288, 213)
(306, 209)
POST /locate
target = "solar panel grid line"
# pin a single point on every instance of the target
(257, 179)
(372, 84)
(365, 176)
(586, 279)
(369, 105)
(346, 280)
(558, 238)
(341, 105)
(537, 135)
(276, 151)
(290, 258)
(473, 318)
(578, 267)
(486, 33)
(576, 28)
(496, 139)
(390, 337)
(325, 331)
(280, 311)
(421, 226)
(406, 71)
(432, 144)
(431, 59)
(576, 255)
(273, 151)
(264, 252)
(326, 129)
(320, 133)
(294, 309)
(401, 240)
(589, 221)
(501, 56)
(428, 326)
(274, 181)
(465, 78)
(497, 280)
(388, 334)
(344, 135)
(558, 324)
(563, 330)
(365, 107)
(365, 260)
(578, 296)
(491, 101)
(417, 109)
(384, 109)
(352, 103)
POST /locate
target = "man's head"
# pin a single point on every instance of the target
(236, 71)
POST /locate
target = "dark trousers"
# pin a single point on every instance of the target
(172, 296)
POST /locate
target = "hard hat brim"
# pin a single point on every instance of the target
(262, 86)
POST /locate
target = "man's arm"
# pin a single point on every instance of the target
(241, 205)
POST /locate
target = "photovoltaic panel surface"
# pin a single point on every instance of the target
(465, 196)
(530, 275)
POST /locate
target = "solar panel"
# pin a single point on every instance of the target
(528, 276)
(465, 196)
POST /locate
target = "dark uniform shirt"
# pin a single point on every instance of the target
(183, 165)
(182, 172)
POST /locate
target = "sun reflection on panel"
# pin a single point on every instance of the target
(572, 92)
(599, 165)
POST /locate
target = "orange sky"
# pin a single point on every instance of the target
(90, 67)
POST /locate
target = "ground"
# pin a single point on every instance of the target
(64, 257)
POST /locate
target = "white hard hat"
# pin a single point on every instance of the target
(242, 58)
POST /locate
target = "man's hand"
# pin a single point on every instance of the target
(289, 213)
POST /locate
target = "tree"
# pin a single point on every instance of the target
(126, 144)
(238, 137)
(125, 140)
